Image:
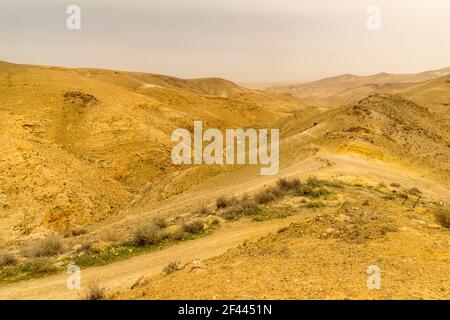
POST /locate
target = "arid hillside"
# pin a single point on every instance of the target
(78, 144)
(86, 178)
(344, 89)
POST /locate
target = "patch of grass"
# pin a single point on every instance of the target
(246, 208)
(286, 185)
(179, 235)
(267, 195)
(442, 216)
(223, 202)
(39, 266)
(32, 268)
(47, 247)
(148, 234)
(171, 268)
(273, 213)
(193, 227)
(94, 291)
(312, 192)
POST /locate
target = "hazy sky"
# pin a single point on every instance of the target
(241, 40)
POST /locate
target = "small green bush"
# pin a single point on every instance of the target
(39, 266)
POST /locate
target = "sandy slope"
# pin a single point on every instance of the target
(121, 275)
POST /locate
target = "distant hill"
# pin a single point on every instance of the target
(340, 90)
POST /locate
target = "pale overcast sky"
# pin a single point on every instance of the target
(241, 40)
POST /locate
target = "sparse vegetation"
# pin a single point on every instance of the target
(414, 191)
(148, 234)
(442, 216)
(7, 259)
(395, 185)
(193, 227)
(267, 195)
(94, 291)
(286, 185)
(178, 235)
(204, 210)
(39, 266)
(245, 206)
(171, 268)
(47, 247)
(75, 232)
(315, 204)
(223, 202)
(160, 223)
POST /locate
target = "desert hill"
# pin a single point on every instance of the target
(77, 144)
(340, 90)
(86, 154)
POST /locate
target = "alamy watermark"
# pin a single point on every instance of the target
(73, 21)
(73, 281)
(374, 279)
(231, 149)
(373, 21)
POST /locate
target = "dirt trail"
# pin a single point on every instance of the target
(122, 275)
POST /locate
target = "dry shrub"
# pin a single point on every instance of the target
(39, 266)
(78, 232)
(94, 291)
(204, 210)
(245, 206)
(178, 235)
(314, 182)
(47, 247)
(193, 227)
(148, 234)
(267, 195)
(223, 202)
(160, 222)
(414, 191)
(287, 185)
(7, 259)
(395, 184)
(171, 268)
(442, 216)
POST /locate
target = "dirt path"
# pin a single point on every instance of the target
(122, 275)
